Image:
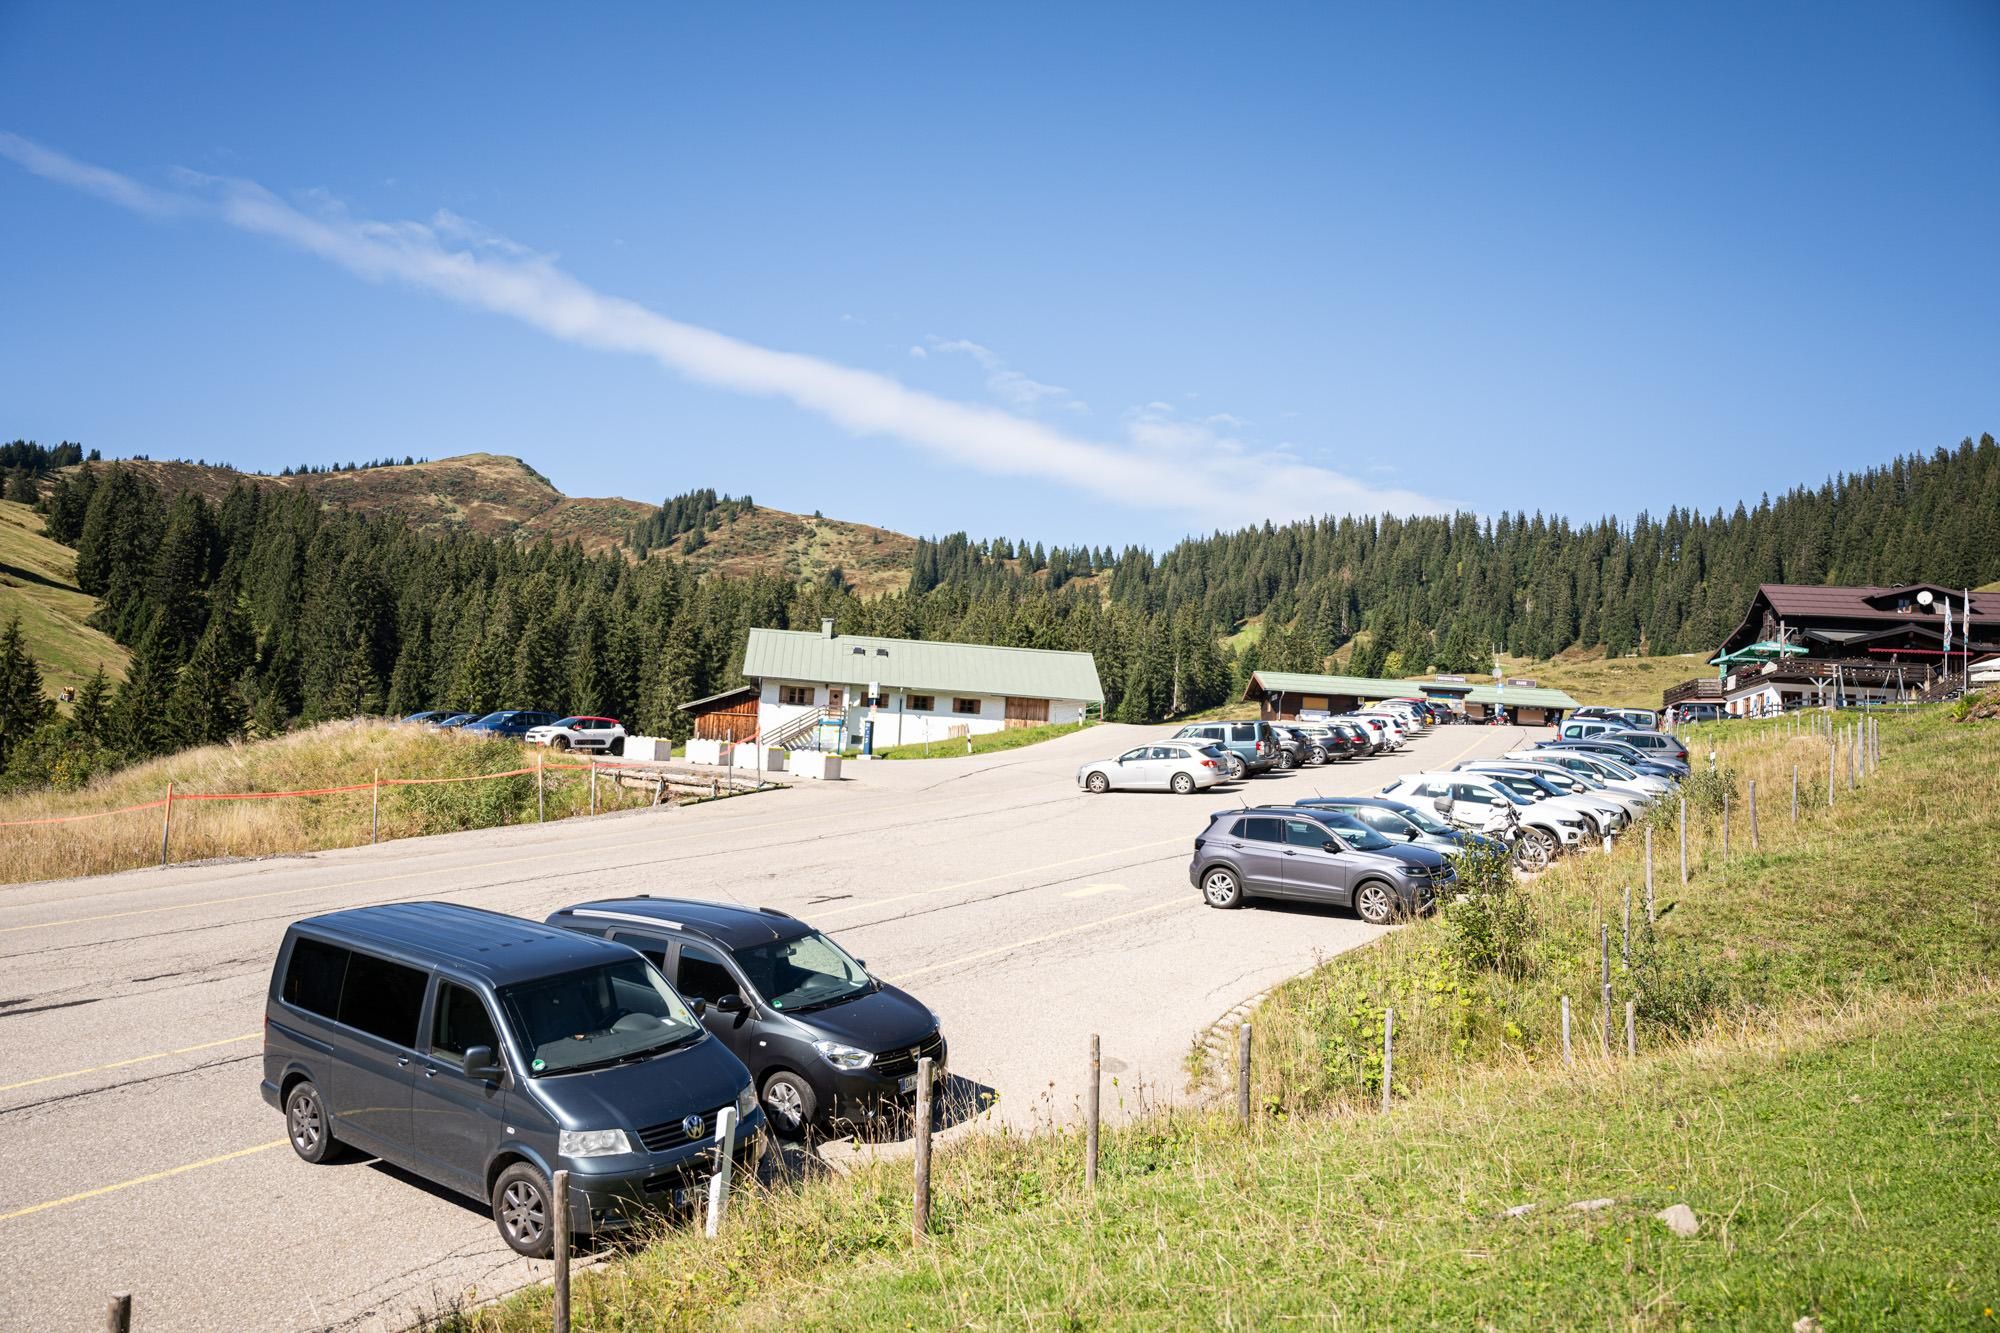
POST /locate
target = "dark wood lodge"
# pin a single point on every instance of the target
(729, 717)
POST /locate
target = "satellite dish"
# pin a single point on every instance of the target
(1924, 598)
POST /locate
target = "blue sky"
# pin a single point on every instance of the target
(1073, 273)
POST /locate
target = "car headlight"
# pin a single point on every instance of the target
(844, 1057)
(592, 1143)
(746, 1101)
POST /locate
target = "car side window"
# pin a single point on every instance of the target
(460, 1021)
(1303, 833)
(1383, 821)
(1260, 830)
(313, 976)
(652, 951)
(1469, 794)
(1163, 752)
(703, 977)
(383, 998)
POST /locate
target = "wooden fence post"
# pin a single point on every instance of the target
(541, 793)
(1628, 925)
(1243, 1075)
(167, 824)
(1725, 828)
(1853, 750)
(1649, 872)
(1631, 1032)
(1684, 841)
(1795, 793)
(375, 809)
(1604, 1037)
(1832, 755)
(1388, 1055)
(920, 1216)
(1090, 1128)
(1753, 814)
(118, 1315)
(592, 761)
(559, 1220)
(1568, 1057)
(725, 1167)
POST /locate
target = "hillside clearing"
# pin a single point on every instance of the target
(38, 583)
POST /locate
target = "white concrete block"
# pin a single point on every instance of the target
(704, 752)
(648, 749)
(816, 764)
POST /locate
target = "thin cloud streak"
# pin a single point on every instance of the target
(462, 262)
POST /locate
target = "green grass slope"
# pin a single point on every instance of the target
(37, 583)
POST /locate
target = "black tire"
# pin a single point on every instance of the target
(559, 743)
(789, 1104)
(617, 746)
(524, 1210)
(1183, 783)
(1221, 888)
(1319, 754)
(1535, 850)
(1375, 902)
(1097, 783)
(1288, 759)
(1237, 768)
(308, 1125)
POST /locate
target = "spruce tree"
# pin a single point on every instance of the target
(23, 705)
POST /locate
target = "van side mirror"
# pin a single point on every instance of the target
(698, 1007)
(731, 1003)
(480, 1062)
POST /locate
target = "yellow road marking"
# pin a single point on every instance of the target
(102, 1190)
(983, 954)
(135, 1060)
(1087, 891)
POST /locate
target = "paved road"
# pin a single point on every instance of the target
(135, 1153)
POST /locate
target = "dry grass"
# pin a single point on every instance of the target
(331, 755)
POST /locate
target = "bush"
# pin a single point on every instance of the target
(1706, 787)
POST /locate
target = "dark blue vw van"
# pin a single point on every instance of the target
(484, 1052)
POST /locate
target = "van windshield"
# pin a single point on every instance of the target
(599, 1016)
(810, 972)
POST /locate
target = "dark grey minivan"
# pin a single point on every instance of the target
(483, 1052)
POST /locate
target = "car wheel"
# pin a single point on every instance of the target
(307, 1124)
(559, 743)
(1288, 760)
(789, 1103)
(1533, 851)
(1183, 783)
(1374, 903)
(523, 1206)
(1098, 783)
(618, 746)
(1318, 754)
(1237, 768)
(1220, 888)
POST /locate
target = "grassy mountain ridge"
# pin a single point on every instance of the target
(500, 496)
(38, 584)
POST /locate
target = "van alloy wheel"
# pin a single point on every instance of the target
(522, 1207)
(1373, 904)
(305, 1123)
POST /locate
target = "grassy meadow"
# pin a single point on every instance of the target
(1818, 1051)
(334, 754)
(991, 742)
(38, 584)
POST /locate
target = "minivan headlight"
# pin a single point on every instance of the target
(746, 1101)
(592, 1143)
(844, 1057)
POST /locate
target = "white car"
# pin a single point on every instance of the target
(1477, 802)
(601, 735)
(1607, 814)
(1607, 769)
(1176, 766)
(1385, 727)
(1634, 798)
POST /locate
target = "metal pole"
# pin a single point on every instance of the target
(920, 1216)
(559, 1185)
(1243, 1075)
(1090, 1130)
(1388, 1055)
(167, 825)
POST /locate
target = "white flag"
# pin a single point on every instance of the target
(1947, 634)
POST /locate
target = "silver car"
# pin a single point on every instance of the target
(1177, 766)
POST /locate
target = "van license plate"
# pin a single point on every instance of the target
(907, 1083)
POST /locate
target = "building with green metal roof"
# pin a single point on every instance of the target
(1286, 695)
(912, 690)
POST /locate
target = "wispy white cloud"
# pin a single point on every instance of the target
(918, 352)
(1010, 386)
(1211, 477)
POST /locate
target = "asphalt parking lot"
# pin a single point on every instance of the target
(136, 1154)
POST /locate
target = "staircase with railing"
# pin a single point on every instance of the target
(802, 731)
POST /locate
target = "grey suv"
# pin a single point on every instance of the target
(1252, 746)
(1315, 855)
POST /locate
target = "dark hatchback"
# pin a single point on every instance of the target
(484, 1052)
(827, 1044)
(513, 722)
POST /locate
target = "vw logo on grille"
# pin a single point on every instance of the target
(692, 1126)
(916, 1052)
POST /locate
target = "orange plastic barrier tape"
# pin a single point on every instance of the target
(264, 795)
(476, 777)
(71, 819)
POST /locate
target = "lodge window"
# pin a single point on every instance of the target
(965, 705)
(920, 703)
(797, 696)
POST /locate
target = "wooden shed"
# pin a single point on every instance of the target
(729, 717)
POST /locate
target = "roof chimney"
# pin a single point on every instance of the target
(826, 627)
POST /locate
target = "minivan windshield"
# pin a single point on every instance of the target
(600, 1016)
(810, 972)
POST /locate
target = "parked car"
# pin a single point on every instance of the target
(1476, 801)
(600, 735)
(1301, 747)
(1177, 766)
(1252, 745)
(483, 1053)
(1603, 815)
(1387, 735)
(1637, 718)
(1598, 773)
(1314, 855)
(826, 1043)
(431, 716)
(512, 722)
(1624, 754)
(452, 721)
(1656, 745)
(1362, 739)
(1401, 820)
